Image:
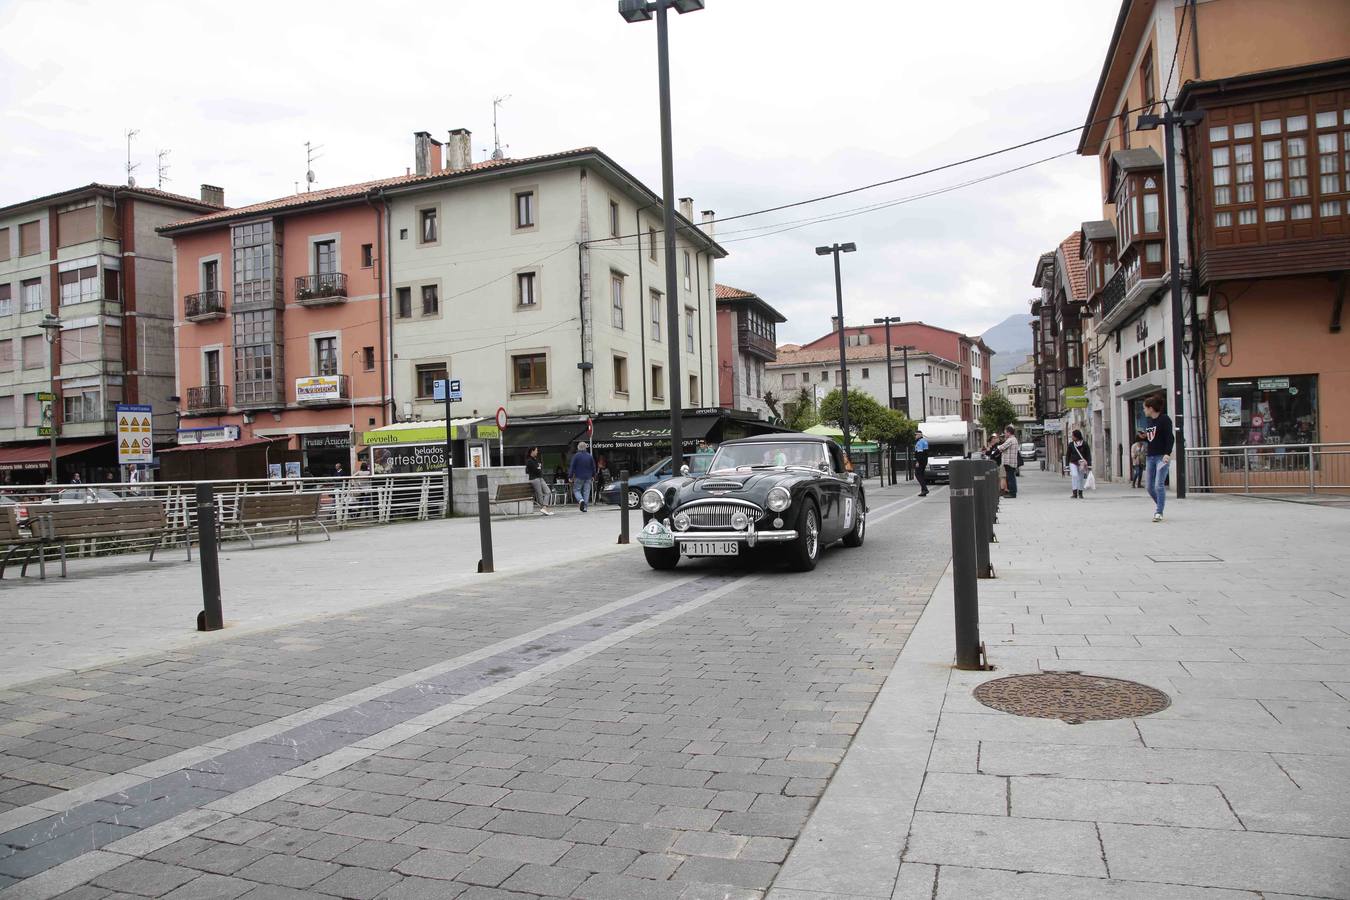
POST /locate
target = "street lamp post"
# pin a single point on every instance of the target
(890, 381)
(923, 394)
(51, 327)
(905, 350)
(835, 250)
(640, 11)
(1149, 123)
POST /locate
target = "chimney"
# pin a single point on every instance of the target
(687, 208)
(458, 150)
(213, 195)
(834, 324)
(707, 224)
(422, 142)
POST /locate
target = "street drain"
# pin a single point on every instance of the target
(1071, 696)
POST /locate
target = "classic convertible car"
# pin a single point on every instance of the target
(789, 492)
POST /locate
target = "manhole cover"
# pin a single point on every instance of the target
(1071, 697)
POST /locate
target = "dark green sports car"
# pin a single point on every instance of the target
(789, 492)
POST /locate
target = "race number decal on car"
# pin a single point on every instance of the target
(656, 536)
(848, 513)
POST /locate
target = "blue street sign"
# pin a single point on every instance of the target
(438, 391)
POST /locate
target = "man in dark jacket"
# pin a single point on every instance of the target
(1160, 440)
(921, 463)
(582, 473)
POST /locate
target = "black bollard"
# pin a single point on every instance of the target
(623, 506)
(991, 495)
(484, 525)
(981, 509)
(965, 584)
(210, 618)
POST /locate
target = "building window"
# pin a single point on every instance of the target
(6, 300)
(1271, 410)
(525, 295)
(211, 368)
(789, 381)
(651, 239)
(806, 378)
(616, 299)
(658, 383)
(693, 390)
(1146, 81)
(79, 285)
(30, 238)
(4, 244)
(613, 219)
(325, 257)
(864, 372)
(688, 273)
(368, 359)
(620, 375)
(525, 209)
(367, 256)
(30, 289)
(325, 356)
(404, 298)
(428, 231)
(689, 314)
(7, 356)
(656, 315)
(34, 412)
(7, 411)
(211, 275)
(529, 373)
(427, 376)
(82, 407)
(431, 299)
(824, 375)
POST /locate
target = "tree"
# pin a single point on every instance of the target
(868, 419)
(996, 413)
(800, 411)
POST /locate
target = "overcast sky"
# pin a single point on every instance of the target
(774, 101)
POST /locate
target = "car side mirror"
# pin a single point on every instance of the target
(825, 467)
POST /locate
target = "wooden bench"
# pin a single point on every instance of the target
(14, 539)
(274, 509)
(59, 524)
(514, 492)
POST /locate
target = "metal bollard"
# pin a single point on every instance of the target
(991, 498)
(965, 584)
(983, 569)
(210, 618)
(623, 506)
(484, 525)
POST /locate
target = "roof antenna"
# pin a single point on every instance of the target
(496, 138)
(311, 154)
(131, 180)
(163, 167)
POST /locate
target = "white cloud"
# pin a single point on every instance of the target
(773, 102)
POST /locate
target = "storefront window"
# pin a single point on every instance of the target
(1271, 410)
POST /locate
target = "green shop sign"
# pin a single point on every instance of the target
(429, 435)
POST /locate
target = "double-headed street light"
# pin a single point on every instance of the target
(640, 11)
(51, 327)
(836, 249)
(890, 382)
(923, 394)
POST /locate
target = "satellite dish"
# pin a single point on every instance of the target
(309, 176)
(131, 182)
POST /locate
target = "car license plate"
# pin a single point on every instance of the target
(710, 548)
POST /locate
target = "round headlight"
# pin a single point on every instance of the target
(739, 520)
(780, 498)
(652, 500)
(681, 521)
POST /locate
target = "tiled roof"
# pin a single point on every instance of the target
(859, 353)
(148, 193)
(727, 292)
(356, 191)
(789, 348)
(1075, 270)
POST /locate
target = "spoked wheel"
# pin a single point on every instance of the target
(855, 537)
(805, 550)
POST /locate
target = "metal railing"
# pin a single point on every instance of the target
(206, 304)
(348, 502)
(1269, 468)
(326, 288)
(1113, 292)
(207, 397)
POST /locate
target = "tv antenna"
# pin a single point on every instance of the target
(163, 167)
(496, 138)
(131, 180)
(311, 154)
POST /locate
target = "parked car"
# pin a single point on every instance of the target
(20, 508)
(85, 495)
(789, 492)
(697, 463)
(1027, 451)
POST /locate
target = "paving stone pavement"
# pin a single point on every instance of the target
(1238, 609)
(597, 730)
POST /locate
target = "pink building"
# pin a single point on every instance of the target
(280, 333)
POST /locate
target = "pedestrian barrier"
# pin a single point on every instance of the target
(1269, 468)
(966, 501)
(623, 506)
(211, 618)
(985, 471)
(484, 525)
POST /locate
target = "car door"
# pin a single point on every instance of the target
(834, 488)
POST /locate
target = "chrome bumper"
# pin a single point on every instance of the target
(749, 538)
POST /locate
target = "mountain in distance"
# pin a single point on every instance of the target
(1011, 342)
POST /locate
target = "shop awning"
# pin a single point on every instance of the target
(636, 433)
(544, 434)
(222, 445)
(430, 431)
(38, 456)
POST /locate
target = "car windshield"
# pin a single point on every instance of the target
(767, 455)
(946, 450)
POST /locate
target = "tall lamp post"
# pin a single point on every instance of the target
(835, 250)
(51, 327)
(923, 394)
(905, 350)
(890, 381)
(1149, 123)
(634, 11)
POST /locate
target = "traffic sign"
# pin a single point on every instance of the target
(501, 417)
(135, 434)
(439, 391)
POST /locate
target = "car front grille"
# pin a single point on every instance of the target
(718, 515)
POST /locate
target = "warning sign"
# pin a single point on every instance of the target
(135, 434)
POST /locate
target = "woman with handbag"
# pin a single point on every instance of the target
(1079, 458)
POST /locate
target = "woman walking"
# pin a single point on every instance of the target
(534, 471)
(1079, 458)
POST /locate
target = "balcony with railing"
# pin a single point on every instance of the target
(323, 390)
(756, 344)
(321, 290)
(207, 399)
(204, 306)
